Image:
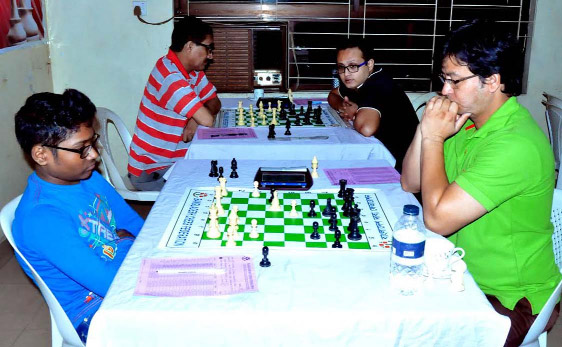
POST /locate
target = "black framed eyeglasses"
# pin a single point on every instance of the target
(83, 151)
(453, 83)
(351, 68)
(210, 48)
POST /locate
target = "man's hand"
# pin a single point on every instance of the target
(189, 130)
(440, 119)
(124, 233)
(348, 109)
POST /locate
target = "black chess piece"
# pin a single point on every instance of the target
(221, 171)
(271, 195)
(309, 107)
(328, 209)
(214, 169)
(301, 111)
(337, 243)
(353, 229)
(288, 127)
(271, 134)
(312, 213)
(297, 120)
(315, 234)
(283, 114)
(265, 262)
(234, 166)
(333, 222)
(343, 183)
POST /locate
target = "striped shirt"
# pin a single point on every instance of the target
(170, 99)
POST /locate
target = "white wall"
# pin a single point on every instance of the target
(23, 71)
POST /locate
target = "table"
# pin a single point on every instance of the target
(305, 298)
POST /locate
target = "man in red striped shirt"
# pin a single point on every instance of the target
(177, 98)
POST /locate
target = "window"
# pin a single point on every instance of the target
(406, 34)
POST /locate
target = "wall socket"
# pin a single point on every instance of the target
(142, 5)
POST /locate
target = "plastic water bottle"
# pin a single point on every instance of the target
(406, 257)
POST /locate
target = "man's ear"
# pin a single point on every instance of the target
(494, 83)
(39, 154)
(188, 46)
(371, 64)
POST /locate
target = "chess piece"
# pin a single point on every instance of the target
(213, 223)
(288, 127)
(275, 205)
(328, 209)
(337, 243)
(271, 134)
(274, 116)
(279, 102)
(314, 173)
(214, 169)
(290, 95)
(333, 222)
(230, 239)
(269, 106)
(221, 171)
(218, 196)
(254, 232)
(265, 262)
(312, 213)
(234, 166)
(252, 122)
(342, 188)
(315, 235)
(256, 192)
(222, 181)
(293, 212)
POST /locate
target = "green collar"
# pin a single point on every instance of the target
(497, 121)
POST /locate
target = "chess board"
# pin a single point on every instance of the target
(228, 118)
(189, 225)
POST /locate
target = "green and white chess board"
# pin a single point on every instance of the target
(229, 118)
(190, 223)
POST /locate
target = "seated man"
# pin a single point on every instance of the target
(486, 174)
(176, 99)
(71, 224)
(372, 101)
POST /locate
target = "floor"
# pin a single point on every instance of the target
(24, 315)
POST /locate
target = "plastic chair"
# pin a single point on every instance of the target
(552, 100)
(536, 336)
(420, 101)
(111, 173)
(554, 124)
(62, 330)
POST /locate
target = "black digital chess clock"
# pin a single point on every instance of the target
(283, 178)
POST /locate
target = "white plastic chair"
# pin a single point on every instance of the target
(536, 336)
(420, 101)
(554, 124)
(62, 330)
(121, 183)
(552, 100)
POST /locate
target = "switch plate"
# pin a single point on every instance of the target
(142, 5)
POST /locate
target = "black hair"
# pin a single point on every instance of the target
(189, 28)
(487, 49)
(360, 43)
(49, 118)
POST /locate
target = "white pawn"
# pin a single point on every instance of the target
(293, 212)
(254, 232)
(275, 206)
(218, 195)
(222, 181)
(256, 192)
(269, 106)
(278, 105)
(274, 117)
(230, 239)
(234, 215)
(314, 173)
(213, 223)
(252, 124)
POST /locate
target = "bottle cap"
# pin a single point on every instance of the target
(411, 210)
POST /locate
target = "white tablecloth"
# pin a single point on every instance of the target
(305, 297)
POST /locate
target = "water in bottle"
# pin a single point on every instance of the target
(406, 257)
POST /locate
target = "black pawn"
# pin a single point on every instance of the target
(312, 213)
(234, 166)
(315, 235)
(337, 235)
(271, 134)
(343, 183)
(265, 262)
(328, 209)
(221, 171)
(288, 127)
(333, 222)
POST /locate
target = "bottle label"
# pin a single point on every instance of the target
(408, 250)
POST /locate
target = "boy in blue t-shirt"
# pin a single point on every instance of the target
(71, 224)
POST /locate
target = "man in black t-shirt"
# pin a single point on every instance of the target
(372, 101)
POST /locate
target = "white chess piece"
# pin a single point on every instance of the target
(290, 95)
(230, 239)
(293, 212)
(239, 104)
(213, 223)
(252, 123)
(218, 195)
(234, 214)
(261, 106)
(314, 173)
(256, 192)
(269, 106)
(274, 117)
(222, 181)
(278, 105)
(275, 206)
(254, 232)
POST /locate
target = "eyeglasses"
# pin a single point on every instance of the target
(83, 151)
(351, 68)
(210, 48)
(453, 83)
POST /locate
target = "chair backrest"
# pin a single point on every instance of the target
(121, 184)
(532, 337)
(554, 124)
(420, 101)
(62, 330)
(553, 100)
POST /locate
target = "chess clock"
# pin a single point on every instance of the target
(283, 178)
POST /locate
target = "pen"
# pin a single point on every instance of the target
(234, 134)
(206, 271)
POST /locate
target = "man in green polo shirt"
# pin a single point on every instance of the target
(486, 173)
